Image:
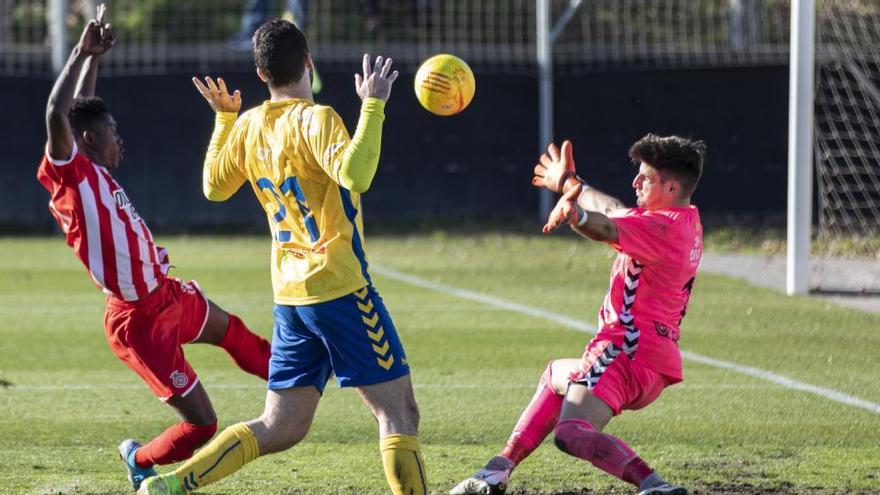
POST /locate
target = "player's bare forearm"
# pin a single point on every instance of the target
(60, 99)
(88, 78)
(591, 199)
(597, 227)
(590, 224)
(97, 37)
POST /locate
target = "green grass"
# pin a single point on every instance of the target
(69, 401)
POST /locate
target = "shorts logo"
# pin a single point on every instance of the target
(187, 287)
(178, 379)
(370, 317)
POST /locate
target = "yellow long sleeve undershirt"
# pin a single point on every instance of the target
(361, 157)
(355, 171)
(211, 184)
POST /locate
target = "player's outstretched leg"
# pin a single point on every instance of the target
(578, 437)
(249, 351)
(286, 419)
(536, 422)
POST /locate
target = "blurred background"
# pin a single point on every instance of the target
(716, 70)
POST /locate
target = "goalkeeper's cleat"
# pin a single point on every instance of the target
(664, 489)
(491, 480)
(136, 475)
(161, 485)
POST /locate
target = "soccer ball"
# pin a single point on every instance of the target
(445, 85)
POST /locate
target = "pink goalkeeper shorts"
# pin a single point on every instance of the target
(624, 384)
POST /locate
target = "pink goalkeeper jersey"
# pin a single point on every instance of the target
(651, 282)
(102, 227)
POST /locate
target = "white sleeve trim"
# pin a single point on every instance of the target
(61, 163)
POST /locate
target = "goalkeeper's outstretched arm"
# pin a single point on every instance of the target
(556, 171)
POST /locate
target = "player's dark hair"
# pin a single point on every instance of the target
(679, 157)
(85, 112)
(280, 51)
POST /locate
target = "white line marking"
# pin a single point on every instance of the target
(581, 326)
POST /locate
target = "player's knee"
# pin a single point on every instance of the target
(412, 412)
(567, 432)
(402, 418)
(277, 435)
(559, 438)
(207, 419)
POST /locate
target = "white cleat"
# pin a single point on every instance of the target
(491, 480)
(664, 489)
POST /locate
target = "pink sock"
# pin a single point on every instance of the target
(610, 454)
(536, 422)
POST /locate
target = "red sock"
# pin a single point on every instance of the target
(536, 422)
(175, 444)
(608, 453)
(249, 351)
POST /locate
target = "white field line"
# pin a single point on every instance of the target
(582, 326)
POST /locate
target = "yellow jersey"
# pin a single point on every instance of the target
(308, 175)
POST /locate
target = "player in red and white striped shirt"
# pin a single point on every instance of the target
(149, 314)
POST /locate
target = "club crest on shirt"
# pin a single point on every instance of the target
(124, 203)
(178, 379)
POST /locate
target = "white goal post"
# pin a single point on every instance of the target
(800, 146)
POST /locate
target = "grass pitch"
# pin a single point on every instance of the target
(66, 401)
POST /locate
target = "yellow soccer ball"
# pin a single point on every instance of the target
(445, 84)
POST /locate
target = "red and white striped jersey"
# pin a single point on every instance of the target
(102, 227)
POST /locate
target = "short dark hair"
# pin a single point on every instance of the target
(280, 51)
(85, 112)
(679, 157)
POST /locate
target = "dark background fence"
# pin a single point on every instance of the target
(472, 167)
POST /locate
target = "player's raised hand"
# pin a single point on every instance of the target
(97, 37)
(376, 79)
(555, 170)
(565, 211)
(217, 95)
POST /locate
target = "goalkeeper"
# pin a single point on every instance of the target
(635, 354)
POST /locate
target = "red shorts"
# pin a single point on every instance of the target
(147, 334)
(625, 383)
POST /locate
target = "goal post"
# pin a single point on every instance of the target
(800, 146)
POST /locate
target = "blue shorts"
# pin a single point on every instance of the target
(352, 336)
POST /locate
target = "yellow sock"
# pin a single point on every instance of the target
(404, 465)
(227, 453)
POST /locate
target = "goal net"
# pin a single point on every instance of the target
(847, 132)
(495, 36)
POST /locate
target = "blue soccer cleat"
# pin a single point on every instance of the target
(136, 475)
